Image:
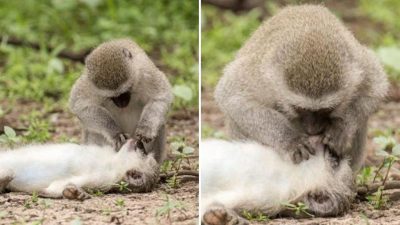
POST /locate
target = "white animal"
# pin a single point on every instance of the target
(240, 176)
(67, 170)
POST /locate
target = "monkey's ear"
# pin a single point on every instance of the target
(127, 53)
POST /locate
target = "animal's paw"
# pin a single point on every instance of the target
(120, 140)
(301, 150)
(72, 192)
(145, 134)
(139, 181)
(219, 215)
(6, 176)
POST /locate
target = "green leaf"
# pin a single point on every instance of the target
(396, 150)
(9, 132)
(183, 91)
(381, 152)
(188, 150)
(390, 56)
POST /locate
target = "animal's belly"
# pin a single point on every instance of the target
(37, 176)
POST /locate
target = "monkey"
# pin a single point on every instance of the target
(68, 170)
(236, 184)
(302, 73)
(121, 94)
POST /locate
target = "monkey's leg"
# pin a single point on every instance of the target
(6, 176)
(271, 128)
(158, 146)
(218, 214)
(110, 130)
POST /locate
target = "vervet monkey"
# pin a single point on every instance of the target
(303, 73)
(122, 94)
(239, 177)
(67, 170)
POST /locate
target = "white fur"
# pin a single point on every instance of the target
(254, 177)
(48, 168)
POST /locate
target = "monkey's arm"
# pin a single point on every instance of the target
(93, 116)
(371, 93)
(158, 98)
(265, 125)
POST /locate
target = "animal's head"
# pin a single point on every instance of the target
(142, 169)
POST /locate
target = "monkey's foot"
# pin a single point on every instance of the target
(72, 192)
(139, 181)
(6, 176)
(219, 215)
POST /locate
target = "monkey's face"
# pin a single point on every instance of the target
(122, 100)
(313, 122)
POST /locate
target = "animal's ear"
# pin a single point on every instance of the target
(127, 53)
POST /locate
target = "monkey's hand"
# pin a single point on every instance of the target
(338, 137)
(145, 134)
(120, 140)
(301, 149)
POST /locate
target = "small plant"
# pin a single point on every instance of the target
(120, 202)
(38, 130)
(298, 209)
(168, 207)
(255, 216)
(364, 176)
(378, 200)
(123, 186)
(34, 197)
(9, 138)
(95, 192)
(181, 152)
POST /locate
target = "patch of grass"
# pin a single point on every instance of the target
(120, 202)
(255, 216)
(298, 209)
(167, 30)
(223, 33)
(168, 207)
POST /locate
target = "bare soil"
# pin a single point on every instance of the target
(361, 211)
(19, 208)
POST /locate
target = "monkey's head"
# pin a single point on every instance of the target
(317, 76)
(112, 67)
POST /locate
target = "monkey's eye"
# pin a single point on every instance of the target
(300, 110)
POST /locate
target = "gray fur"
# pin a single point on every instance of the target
(113, 68)
(302, 57)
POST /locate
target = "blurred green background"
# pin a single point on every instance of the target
(374, 23)
(227, 24)
(167, 30)
(44, 42)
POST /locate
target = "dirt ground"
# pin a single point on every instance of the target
(361, 212)
(17, 208)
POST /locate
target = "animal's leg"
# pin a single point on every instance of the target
(6, 176)
(73, 192)
(54, 190)
(218, 214)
